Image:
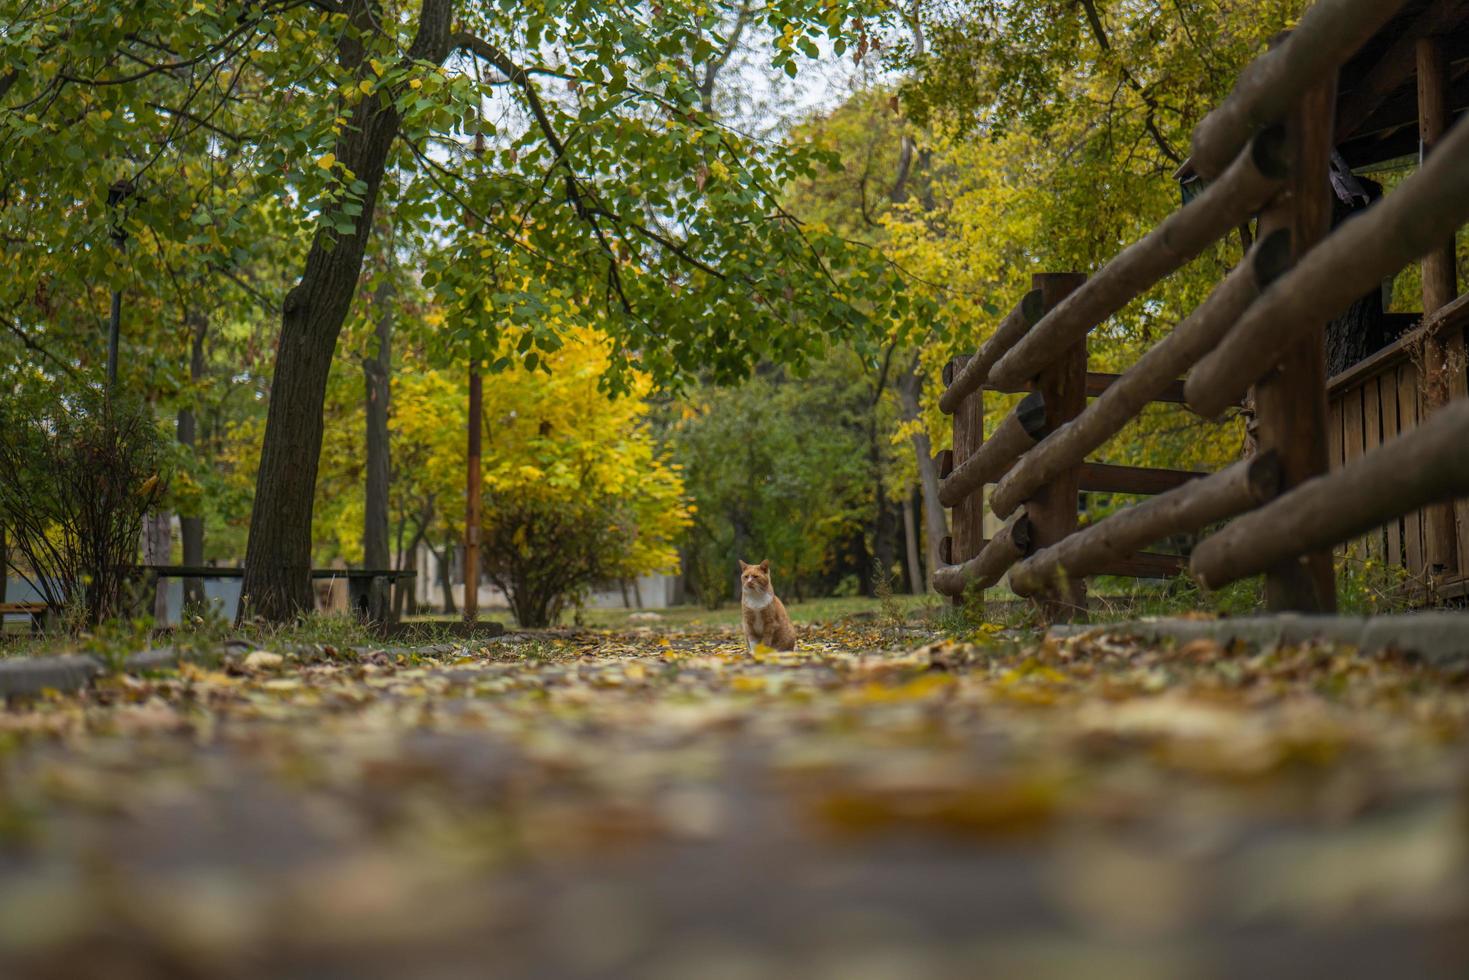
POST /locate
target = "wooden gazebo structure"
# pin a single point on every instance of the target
(1396, 97)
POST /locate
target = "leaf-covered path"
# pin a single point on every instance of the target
(660, 804)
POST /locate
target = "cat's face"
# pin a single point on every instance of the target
(755, 579)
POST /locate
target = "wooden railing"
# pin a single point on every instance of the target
(1267, 152)
(1375, 401)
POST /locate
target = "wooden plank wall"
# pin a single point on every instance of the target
(1361, 417)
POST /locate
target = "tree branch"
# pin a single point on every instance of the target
(30, 344)
(713, 68)
(483, 49)
(1100, 33)
(198, 120)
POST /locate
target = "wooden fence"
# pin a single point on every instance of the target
(1396, 448)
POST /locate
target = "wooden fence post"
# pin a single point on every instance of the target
(1052, 509)
(1443, 356)
(1290, 403)
(967, 529)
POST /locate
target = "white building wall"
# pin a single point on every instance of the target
(655, 591)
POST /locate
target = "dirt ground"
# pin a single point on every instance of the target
(656, 803)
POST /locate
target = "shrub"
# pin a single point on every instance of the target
(576, 492)
(77, 474)
(546, 554)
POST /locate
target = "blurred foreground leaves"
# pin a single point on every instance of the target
(660, 804)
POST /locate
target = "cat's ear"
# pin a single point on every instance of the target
(743, 566)
(765, 565)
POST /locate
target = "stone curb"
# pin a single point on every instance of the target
(29, 676)
(32, 676)
(1439, 638)
(72, 672)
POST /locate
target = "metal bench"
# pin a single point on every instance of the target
(35, 610)
(360, 581)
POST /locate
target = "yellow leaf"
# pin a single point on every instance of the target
(263, 660)
(326, 161)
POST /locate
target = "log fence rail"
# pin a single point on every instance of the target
(1381, 450)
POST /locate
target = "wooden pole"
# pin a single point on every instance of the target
(1291, 403)
(1329, 33)
(1154, 373)
(1422, 466)
(1440, 279)
(1443, 355)
(1006, 336)
(967, 526)
(1183, 235)
(1012, 543)
(472, 503)
(1407, 224)
(1021, 430)
(1245, 485)
(1052, 510)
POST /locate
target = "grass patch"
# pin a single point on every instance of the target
(909, 607)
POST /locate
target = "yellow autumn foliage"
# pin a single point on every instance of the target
(550, 438)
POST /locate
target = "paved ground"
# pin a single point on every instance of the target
(659, 804)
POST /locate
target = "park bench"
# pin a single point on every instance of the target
(360, 581)
(35, 610)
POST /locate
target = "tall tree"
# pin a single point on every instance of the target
(608, 191)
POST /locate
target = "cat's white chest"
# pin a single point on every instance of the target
(755, 607)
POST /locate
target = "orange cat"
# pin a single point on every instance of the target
(766, 621)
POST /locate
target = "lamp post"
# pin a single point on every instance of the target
(471, 516)
(117, 194)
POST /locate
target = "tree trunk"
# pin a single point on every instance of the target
(376, 372)
(910, 537)
(157, 542)
(277, 585)
(884, 538)
(191, 526)
(935, 524)
(442, 558)
(741, 524)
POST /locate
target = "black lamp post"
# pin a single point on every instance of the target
(116, 195)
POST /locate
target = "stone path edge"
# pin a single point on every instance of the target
(1440, 638)
(24, 676)
(67, 673)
